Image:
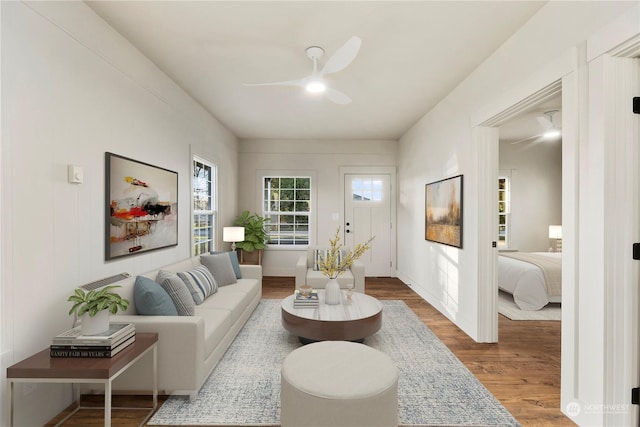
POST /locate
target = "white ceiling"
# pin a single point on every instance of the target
(413, 54)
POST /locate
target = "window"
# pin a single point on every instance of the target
(287, 204)
(503, 211)
(367, 190)
(204, 206)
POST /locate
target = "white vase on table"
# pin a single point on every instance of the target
(91, 325)
(332, 293)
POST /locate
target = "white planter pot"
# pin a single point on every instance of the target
(96, 324)
(332, 293)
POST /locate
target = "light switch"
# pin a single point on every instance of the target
(75, 174)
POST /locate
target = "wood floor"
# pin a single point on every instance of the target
(522, 370)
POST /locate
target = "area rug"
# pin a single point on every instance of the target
(507, 307)
(434, 387)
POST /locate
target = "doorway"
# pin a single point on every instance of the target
(368, 211)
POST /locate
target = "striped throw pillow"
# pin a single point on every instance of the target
(177, 291)
(321, 254)
(200, 283)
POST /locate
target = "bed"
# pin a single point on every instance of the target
(533, 278)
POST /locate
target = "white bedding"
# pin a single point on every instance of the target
(525, 282)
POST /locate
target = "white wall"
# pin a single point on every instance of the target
(535, 173)
(322, 160)
(439, 145)
(73, 89)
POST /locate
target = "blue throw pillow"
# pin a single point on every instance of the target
(151, 299)
(233, 255)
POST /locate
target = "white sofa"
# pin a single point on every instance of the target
(189, 347)
(306, 274)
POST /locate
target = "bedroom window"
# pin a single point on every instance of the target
(503, 211)
(204, 206)
(287, 203)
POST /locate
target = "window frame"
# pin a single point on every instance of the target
(312, 214)
(212, 212)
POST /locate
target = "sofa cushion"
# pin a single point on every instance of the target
(220, 266)
(216, 325)
(200, 283)
(178, 292)
(233, 256)
(151, 299)
(229, 299)
(319, 280)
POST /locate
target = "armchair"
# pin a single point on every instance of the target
(306, 274)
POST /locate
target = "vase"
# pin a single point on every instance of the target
(91, 325)
(332, 293)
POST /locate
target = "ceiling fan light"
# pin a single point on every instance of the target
(552, 134)
(316, 86)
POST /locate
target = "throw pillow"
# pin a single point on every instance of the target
(220, 266)
(233, 255)
(200, 283)
(151, 299)
(320, 254)
(177, 291)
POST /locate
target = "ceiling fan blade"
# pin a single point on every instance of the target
(299, 82)
(526, 139)
(343, 56)
(337, 96)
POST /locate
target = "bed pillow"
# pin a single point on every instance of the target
(178, 292)
(200, 283)
(151, 299)
(220, 266)
(233, 255)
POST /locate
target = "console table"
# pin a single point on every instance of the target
(41, 368)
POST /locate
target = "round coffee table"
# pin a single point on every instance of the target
(353, 321)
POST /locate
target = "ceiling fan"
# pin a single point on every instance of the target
(315, 82)
(550, 130)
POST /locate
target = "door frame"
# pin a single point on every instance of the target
(599, 344)
(375, 170)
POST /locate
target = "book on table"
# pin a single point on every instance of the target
(115, 334)
(91, 351)
(81, 345)
(312, 297)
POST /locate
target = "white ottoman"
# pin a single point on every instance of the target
(338, 383)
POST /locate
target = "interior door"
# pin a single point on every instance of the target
(368, 213)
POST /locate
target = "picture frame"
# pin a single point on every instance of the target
(443, 211)
(141, 207)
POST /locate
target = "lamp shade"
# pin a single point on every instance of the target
(555, 232)
(233, 234)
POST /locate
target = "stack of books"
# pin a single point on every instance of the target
(305, 301)
(72, 343)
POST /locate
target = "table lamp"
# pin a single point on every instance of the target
(233, 235)
(555, 233)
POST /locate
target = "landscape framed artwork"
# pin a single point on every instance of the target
(443, 211)
(141, 207)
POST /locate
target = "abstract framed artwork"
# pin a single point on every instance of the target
(443, 211)
(141, 207)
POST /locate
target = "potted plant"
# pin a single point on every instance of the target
(255, 237)
(94, 307)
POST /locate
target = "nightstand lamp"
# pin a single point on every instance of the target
(233, 235)
(555, 236)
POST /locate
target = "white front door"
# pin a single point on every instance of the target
(368, 213)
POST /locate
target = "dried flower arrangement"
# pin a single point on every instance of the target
(334, 263)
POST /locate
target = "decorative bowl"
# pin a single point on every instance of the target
(305, 290)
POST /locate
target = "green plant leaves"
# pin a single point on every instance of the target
(255, 235)
(95, 301)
